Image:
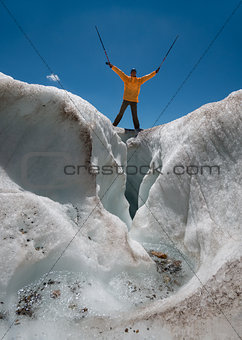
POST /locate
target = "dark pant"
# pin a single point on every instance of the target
(124, 106)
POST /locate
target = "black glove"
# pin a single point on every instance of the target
(109, 64)
(157, 70)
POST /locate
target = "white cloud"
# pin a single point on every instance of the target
(53, 77)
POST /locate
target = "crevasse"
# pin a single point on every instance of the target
(105, 270)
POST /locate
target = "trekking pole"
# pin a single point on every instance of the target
(102, 45)
(169, 50)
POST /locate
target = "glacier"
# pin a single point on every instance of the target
(87, 252)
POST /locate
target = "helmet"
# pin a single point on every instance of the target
(133, 69)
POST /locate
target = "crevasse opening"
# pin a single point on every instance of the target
(139, 166)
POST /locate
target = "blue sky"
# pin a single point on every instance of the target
(136, 34)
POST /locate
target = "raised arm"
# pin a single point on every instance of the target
(120, 73)
(147, 77)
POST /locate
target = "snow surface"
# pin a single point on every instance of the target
(73, 263)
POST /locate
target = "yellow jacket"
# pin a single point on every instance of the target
(132, 84)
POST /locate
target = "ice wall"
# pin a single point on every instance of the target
(48, 137)
(193, 206)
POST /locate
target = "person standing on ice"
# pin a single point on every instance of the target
(131, 92)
